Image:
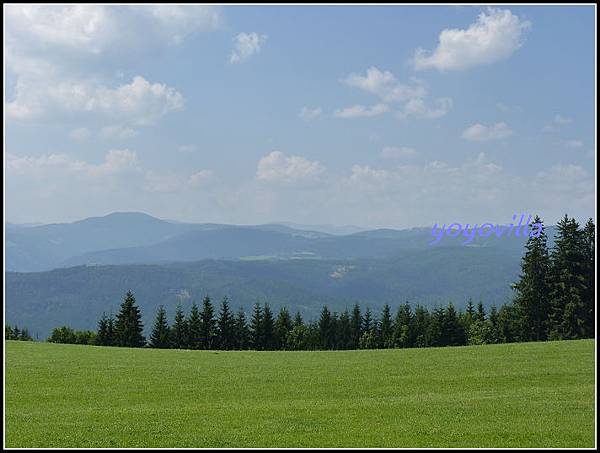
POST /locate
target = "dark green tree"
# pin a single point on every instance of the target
(194, 324)
(326, 329)
(386, 330)
(567, 319)
(242, 334)
(160, 330)
(207, 325)
(355, 326)
(256, 328)
(128, 326)
(178, 335)
(226, 327)
(268, 328)
(532, 300)
(283, 326)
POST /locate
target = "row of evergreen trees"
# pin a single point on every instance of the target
(14, 333)
(555, 295)
(554, 300)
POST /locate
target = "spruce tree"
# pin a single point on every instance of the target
(568, 315)
(102, 333)
(589, 246)
(326, 329)
(160, 330)
(344, 331)
(111, 339)
(194, 324)
(421, 323)
(242, 334)
(128, 326)
(386, 328)
(207, 325)
(355, 326)
(283, 326)
(268, 328)
(178, 335)
(256, 328)
(225, 327)
(532, 300)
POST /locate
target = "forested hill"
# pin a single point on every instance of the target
(80, 294)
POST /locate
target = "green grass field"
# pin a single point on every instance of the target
(515, 395)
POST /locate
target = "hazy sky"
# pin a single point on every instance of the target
(375, 116)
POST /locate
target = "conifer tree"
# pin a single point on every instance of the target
(207, 324)
(355, 326)
(178, 335)
(344, 331)
(160, 330)
(194, 324)
(480, 314)
(268, 328)
(256, 328)
(421, 324)
(283, 326)
(532, 300)
(403, 334)
(453, 333)
(128, 326)
(110, 331)
(386, 328)
(225, 327)
(367, 321)
(242, 334)
(567, 318)
(102, 333)
(326, 329)
(589, 245)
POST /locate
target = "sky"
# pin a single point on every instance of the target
(377, 116)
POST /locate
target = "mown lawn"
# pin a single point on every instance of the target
(516, 395)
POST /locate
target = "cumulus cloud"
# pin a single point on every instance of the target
(495, 36)
(360, 111)
(276, 167)
(308, 114)
(119, 132)
(139, 102)
(246, 45)
(398, 152)
(385, 85)
(479, 132)
(116, 161)
(417, 108)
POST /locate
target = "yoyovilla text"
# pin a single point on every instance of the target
(486, 229)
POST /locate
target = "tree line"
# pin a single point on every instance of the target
(554, 299)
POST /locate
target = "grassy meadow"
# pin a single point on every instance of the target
(509, 395)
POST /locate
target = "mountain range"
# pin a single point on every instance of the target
(70, 273)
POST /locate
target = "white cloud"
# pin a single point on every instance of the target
(161, 182)
(360, 111)
(118, 132)
(116, 161)
(80, 134)
(308, 114)
(384, 85)
(495, 36)
(479, 132)
(417, 108)
(398, 152)
(139, 102)
(177, 22)
(276, 167)
(246, 45)
(200, 178)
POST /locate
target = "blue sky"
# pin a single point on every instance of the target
(303, 114)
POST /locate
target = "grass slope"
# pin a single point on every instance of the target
(516, 395)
